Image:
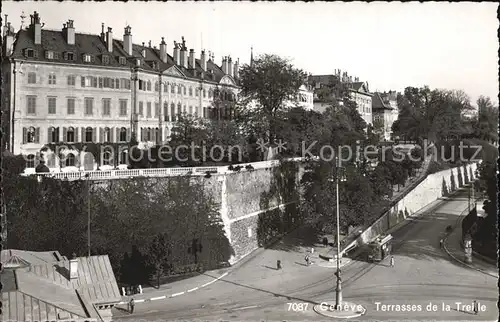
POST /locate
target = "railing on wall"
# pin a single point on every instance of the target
(156, 172)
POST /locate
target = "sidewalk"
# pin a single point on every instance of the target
(454, 249)
(177, 288)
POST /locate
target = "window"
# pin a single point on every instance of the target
(89, 134)
(70, 135)
(52, 105)
(190, 91)
(125, 83)
(179, 108)
(179, 89)
(70, 160)
(30, 135)
(123, 107)
(165, 88)
(89, 81)
(156, 87)
(106, 160)
(204, 93)
(210, 93)
(71, 80)
(157, 109)
(51, 160)
(53, 135)
(172, 88)
(105, 59)
(141, 108)
(31, 78)
(117, 83)
(52, 79)
(89, 105)
(172, 112)
(71, 106)
(107, 134)
(30, 161)
(149, 85)
(190, 110)
(123, 134)
(197, 92)
(123, 157)
(31, 104)
(69, 56)
(148, 110)
(141, 84)
(184, 87)
(106, 107)
(122, 60)
(165, 111)
(148, 134)
(30, 53)
(87, 58)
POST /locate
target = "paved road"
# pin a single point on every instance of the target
(423, 273)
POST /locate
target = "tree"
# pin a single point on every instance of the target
(188, 131)
(158, 255)
(270, 81)
(485, 125)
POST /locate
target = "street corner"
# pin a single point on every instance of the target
(347, 310)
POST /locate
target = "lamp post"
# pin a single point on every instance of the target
(338, 290)
(88, 211)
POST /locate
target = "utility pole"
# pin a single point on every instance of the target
(88, 212)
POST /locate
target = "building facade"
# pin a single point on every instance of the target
(385, 112)
(62, 87)
(327, 87)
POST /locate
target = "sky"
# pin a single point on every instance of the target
(389, 45)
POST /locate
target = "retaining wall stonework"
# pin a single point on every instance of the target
(433, 187)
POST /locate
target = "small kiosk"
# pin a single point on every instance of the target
(380, 248)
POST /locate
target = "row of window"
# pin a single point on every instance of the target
(31, 106)
(70, 135)
(124, 83)
(71, 56)
(70, 159)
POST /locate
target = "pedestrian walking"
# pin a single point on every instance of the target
(476, 307)
(307, 259)
(441, 243)
(392, 261)
(131, 305)
(278, 264)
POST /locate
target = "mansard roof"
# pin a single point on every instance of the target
(54, 40)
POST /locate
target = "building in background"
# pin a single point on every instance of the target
(46, 286)
(385, 112)
(328, 88)
(65, 87)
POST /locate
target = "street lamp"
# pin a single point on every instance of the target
(338, 290)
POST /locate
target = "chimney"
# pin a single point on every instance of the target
(73, 268)
(37, 28)
(109, 40)
(149, 44)
(143, 51)
(9, 40)
(203, 60)
(236, 70)
(230, 66)
(224, 65)
(192, 60)
(103, 36)
(163, 50)
(184, 57)
(176, 53)
(127, 40)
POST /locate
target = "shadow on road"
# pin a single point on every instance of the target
(273, 268)
(306, 236)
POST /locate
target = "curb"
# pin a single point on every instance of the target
(163, 297)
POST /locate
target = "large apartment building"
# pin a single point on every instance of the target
(327, 87)
(62, 86)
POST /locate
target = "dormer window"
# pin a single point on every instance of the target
(105, 59)
(122, 61)
(69, 56)
(30, 53)
(49, 54)
(138, 62)
(155, 65)
(87, 58)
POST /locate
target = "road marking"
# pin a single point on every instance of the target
(139, 301)
(193, 289)
(244, 308)
(157, 298)
(215, 280)
(177, 294)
